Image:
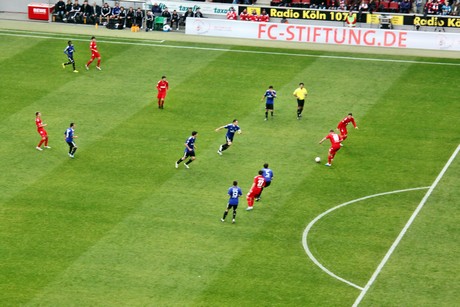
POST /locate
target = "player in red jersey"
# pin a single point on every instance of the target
(162, 87)
(41, 130)
(256, 189)
(94, 54)
(335, 145)
(342, 125)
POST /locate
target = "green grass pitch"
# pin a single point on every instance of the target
(120, 226)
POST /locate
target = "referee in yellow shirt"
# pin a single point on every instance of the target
(300, 93)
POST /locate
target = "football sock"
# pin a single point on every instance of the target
(74, 150)
(89, 62)
(224, 147)
(234, 214)
(225, 214)
(46, 142)
(73, 64)
(189, 161)
(179, 161)
(98, 63)
(41, 143)
(266, 114)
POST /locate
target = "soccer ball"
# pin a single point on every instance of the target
(317, 159)
(166, 28)
(239, 131)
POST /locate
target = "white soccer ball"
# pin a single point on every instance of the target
(166, 28)
(239, 131)
(317, 159)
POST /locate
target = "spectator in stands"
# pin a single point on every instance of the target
(446, 9)
(372, 6)
(167, 15)
(175, 18)
(418, 6)
(264, 17)
(149, 21)
(231, 14)
(115, 12)
(244, 15)
(456, 8)
(139, 17)
(351, 19)
(333, 5)
(156, 9)
(253, 16)
(75, 12)
(122, 17)
(342, 5)
(59, 10)
(435, 7)
(188, 13)
(363, 7)
(106, 11)
(130, 17)
(86, 12)
(96, 12)
(322, 6)
(68, 8)
(404, 7)
(198, 13)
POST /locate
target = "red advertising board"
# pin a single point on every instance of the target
(40, 11)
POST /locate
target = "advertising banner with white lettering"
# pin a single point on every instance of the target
(323, 34)
(207, 8)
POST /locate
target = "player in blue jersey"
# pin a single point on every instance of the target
(69, 138)
(234, 192)
(189, 151)
(69, 50)
(270, 96)
(231, 129)
(268, 176)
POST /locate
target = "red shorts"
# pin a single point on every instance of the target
(95, 55)
(43, 133)
(334, 149)
(253, 193)
(161, 95)
(343, 131)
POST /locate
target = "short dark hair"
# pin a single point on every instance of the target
(261, 172)
(162, 77)
(301, 83)
(234, 120)
(235, 183)
(93, 37)
(194, 133)
(350, 114)
(271, 86)
(71, 124)
(332, 130)
(36, 113)
(266, 165)
(69, 42)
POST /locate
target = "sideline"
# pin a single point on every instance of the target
(406, 227)
(310, 225)
(160, 43)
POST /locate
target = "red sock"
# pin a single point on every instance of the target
(98, 63)
(89, 62)
(41, 143)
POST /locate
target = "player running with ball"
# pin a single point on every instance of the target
(335, 145)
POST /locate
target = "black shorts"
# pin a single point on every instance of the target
(189, 153)
(232, 206)
(300, 103)
(269, 106)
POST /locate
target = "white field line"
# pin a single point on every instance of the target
(310, 225)
(406, 227)
(156, 45)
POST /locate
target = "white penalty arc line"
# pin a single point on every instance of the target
(310, 225)
(160, 44)
(406, 227)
